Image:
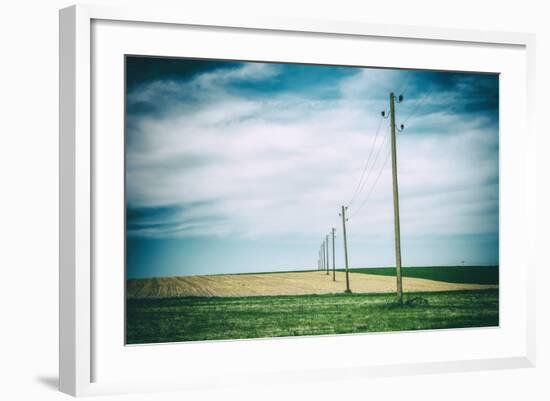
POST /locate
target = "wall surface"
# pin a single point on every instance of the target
(29, 215)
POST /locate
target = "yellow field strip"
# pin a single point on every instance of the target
(299, 283)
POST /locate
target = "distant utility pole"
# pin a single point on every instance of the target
(323, 255)
(343, 214)
(333, 256)
(396, 199)
(328, 263)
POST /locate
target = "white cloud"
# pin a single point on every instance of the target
(284, 165)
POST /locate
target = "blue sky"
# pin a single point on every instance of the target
(243, 166)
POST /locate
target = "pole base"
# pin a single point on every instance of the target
(347, 291)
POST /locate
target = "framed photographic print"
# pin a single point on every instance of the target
(235, 169)
(356, 196)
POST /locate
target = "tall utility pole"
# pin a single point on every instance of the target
(328, 263)
(395, 200)
(343, 214)
(333, 257)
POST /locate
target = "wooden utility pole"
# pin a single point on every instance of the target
(333, 256)
(328, 263)
(343, 214)
(395, 201)
(323, 257)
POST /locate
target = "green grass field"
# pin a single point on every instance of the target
(192, 319)
(450, 274)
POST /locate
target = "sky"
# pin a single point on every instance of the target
(238, 166)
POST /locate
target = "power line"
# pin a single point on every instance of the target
(382, 145)
(373, 186)
(374, 162)
(394, 131)
(371, 190)
(373, 145)
(417, 105)
(406, 83)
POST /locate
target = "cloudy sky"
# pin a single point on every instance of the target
(244, 166)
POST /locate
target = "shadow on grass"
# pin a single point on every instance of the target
(407, 303)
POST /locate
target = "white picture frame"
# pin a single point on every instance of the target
(78, 152)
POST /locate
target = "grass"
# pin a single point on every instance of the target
(450, 274)
(194, 318)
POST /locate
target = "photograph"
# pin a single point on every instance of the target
(268, 199)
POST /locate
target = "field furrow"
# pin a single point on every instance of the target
(295, 283)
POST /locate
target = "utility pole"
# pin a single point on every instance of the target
(395, 200)
(343, 214)
(333, 257)
(328, 263)
(323, 255)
